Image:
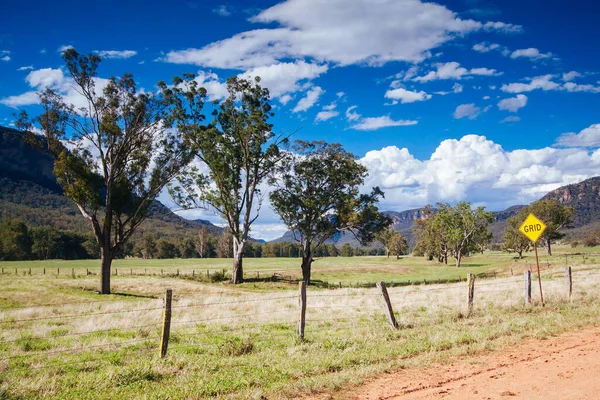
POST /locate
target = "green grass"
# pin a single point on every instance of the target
(333, 270)
(240, 342)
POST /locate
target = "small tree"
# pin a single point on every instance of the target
(239, 149)
(465, 226)
(555, 215)
(514, 240)
(120, 155)
(398, 245)
(317, 197)
(346, 250)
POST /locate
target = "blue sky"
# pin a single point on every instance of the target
(491, 102)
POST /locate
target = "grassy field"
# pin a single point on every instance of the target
(60, 340)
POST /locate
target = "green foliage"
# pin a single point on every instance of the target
(347, 250)
(317, 197)
(122, 154)
(457, 231)
(238, 147)
(514, 240)
(392, 241)
(556, 217)
(15, 241)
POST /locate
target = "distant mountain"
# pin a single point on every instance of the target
(28, 191)
(584, 197)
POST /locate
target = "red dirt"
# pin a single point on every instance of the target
(564, 367)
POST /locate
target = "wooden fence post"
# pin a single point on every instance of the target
(73, 273)
(302, 309)
(387, 305)
(166, 325)
(471, 284)
(57, 271)
(527, 276)
(569, 278)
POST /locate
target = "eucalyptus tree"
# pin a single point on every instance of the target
(317, 195)
(556, 216)
(112, 156)
(513, 239)
(239, 149)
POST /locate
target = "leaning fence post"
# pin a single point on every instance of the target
(166, 325)
(471, 284)
(302, 308)
(527, 276)
(387, 305)
(569, 278)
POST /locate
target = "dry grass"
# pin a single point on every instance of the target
(236, 343)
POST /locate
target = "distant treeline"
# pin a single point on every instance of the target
(19, 242)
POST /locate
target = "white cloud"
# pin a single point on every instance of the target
(311, 98)
(374, 123)
(502, 27)
(513, 104)
(286, 98)
(55, 79)
(467, 110)
(543, 82)
(341, 32)
(326, 115)
(453, 70)
(116, 54)
(485, 47)
(5, 58)
(406, 96)
(351, 115)
(588, 137)
(282, 78)
(512, 118)
(480, 171)
(569, 76)
(486, 97)
(222, 11)
(531, 52)
(215, 89)
(25, 68)
(63, 48)
(457, 88)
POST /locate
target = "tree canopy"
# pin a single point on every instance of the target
(457, 231)
(317, 197)
(113, 156)
(238, 147)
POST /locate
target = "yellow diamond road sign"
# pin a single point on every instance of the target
(532, 228)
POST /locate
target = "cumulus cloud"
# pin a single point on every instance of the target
(63, 48)
(5, 58)
(352, 115)
(222, 10)
(44, 78)
(569, 76)
(116, 54)
(25, 68)
(467, 111)
(326, 115)
(512, 118)
(341, 32)
(545, 82)
(288, 77)
(453, 70)
(531, 53)
(406, 96)
(588, 137)
(485, 47)
(513, 104)
(311, 98)
(374, 123)
(479, 170)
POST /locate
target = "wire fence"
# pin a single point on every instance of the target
(47, 335)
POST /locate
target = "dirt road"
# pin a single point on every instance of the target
(565, 367)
